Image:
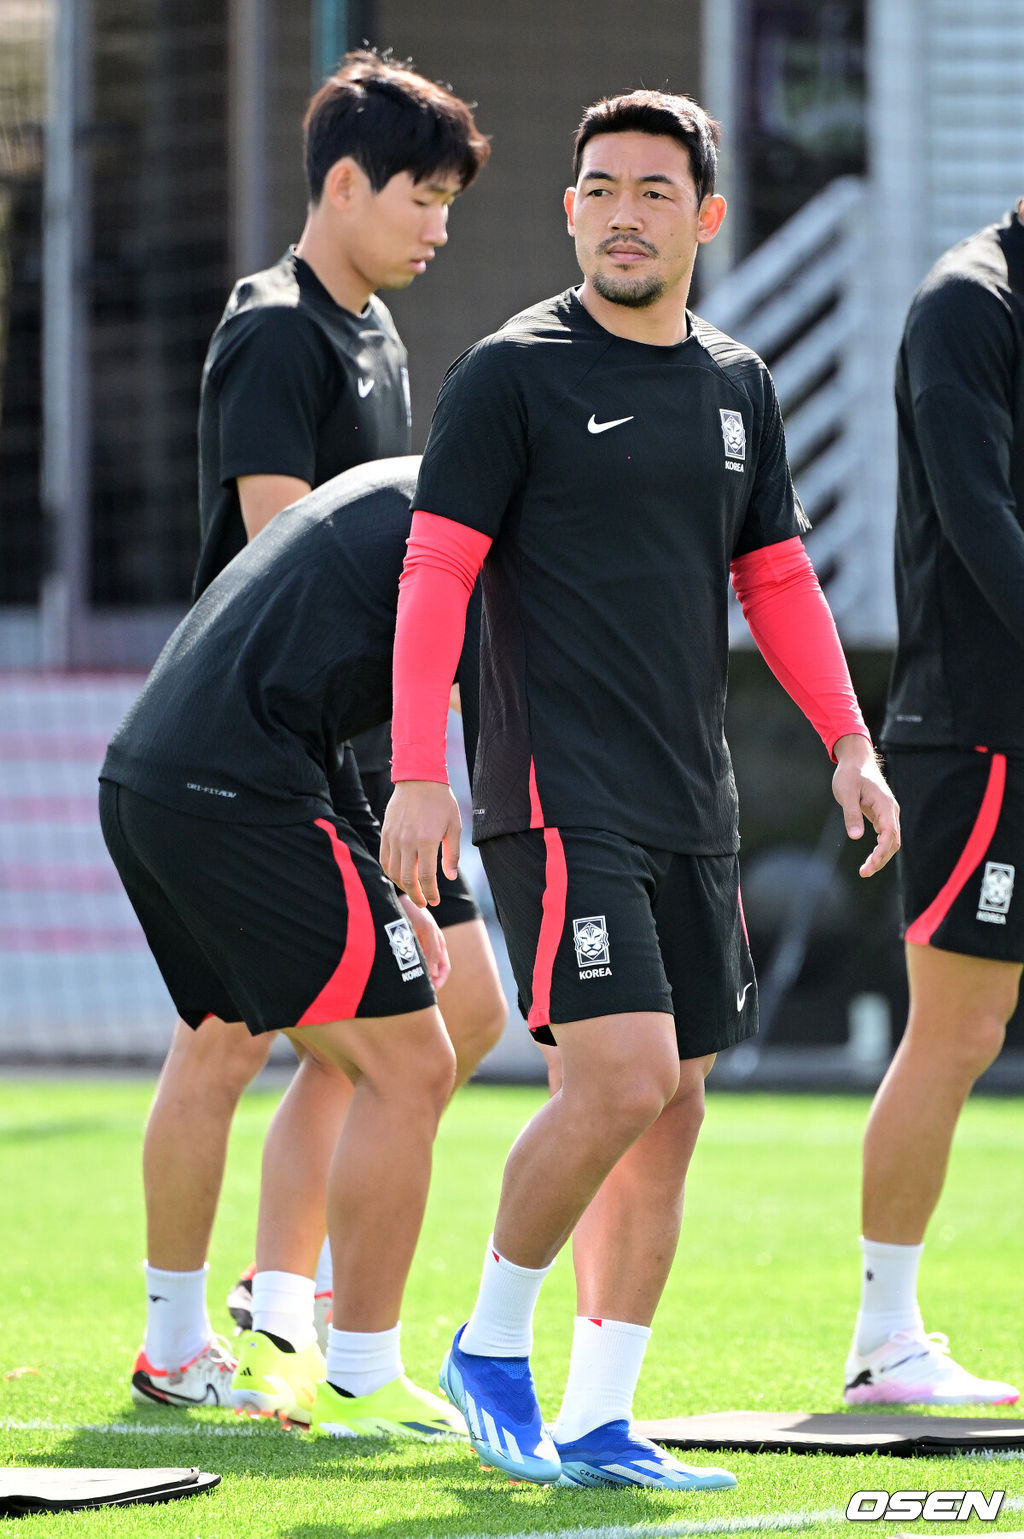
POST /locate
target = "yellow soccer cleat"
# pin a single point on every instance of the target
(270, 1382)
(398, 1409)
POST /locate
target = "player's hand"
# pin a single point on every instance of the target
(431, 939)
(421, 815)
(859, 787)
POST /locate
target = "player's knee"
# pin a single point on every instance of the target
(214, 1064)
(631, 1102)
(429, 1087)
(482, 1030)
(983, 1037)
(240, 1062)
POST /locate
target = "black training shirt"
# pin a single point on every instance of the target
(293, 385)
(286, 654)
(618, 481)
(958, 677)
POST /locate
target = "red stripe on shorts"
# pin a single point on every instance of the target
(552, 923)
(339, 998)
(924, 927)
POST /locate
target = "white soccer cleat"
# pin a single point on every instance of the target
(912, 1368)
(206, 1380)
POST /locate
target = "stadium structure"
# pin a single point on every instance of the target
(150, 153)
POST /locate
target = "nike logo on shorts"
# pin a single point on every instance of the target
(741, 997)
(365, 386)
(593, 426)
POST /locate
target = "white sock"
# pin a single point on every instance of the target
(177, 1324)
(607, 1356)
(282, 1305)
(888, 1301)
(323, 1282)
(361, 1361)
(501, 1324)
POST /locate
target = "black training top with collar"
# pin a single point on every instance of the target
(958, 677)
(617, 480)
(293, 385)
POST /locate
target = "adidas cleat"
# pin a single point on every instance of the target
(612, 1455)
(398, 1409)
(206, 1380)
(498, 1400)
(271, 1382)
(239, 1301)
(914, 1369)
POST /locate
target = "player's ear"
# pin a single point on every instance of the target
(341, 181)
(569, 204)
(709, 220)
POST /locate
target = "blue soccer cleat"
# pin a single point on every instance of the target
(498, 1400)
(612, 1455)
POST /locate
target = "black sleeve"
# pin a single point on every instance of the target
(349, 799)
(272, 380)
(773, 512)
(476, 455)
(959, 357)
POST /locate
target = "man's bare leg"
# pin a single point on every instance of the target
(609, 1149)
(186, 1140)
(402, 1069)
(623, 1248)
(625, 1242)
(959, 1007)
(184, 1153)
(618, 1074)
(475, 1012)
(472, 1001)
(297, 1154)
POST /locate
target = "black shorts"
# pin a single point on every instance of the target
(457, 905)
(962, 817)
(596, 925)
(276, 925)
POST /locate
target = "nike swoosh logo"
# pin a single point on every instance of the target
(593, 426)
(741, 997)
(208, 1397)
(365, 386)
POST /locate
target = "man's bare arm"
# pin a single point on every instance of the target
(263, 497)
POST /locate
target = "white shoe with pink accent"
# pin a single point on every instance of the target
(912, 1368)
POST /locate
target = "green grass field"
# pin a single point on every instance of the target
(757, 1316)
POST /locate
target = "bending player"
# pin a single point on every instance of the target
(252, 870)
(954, 740)
(305, 377)
(608, 459)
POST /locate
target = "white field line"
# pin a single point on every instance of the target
(258, 1426)
(146, 1429)
(759, 1523)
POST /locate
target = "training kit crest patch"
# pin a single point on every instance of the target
(734, 436)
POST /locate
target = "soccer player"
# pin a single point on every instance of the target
(608, 458)
(305, 377)
(250, 860)
(954, 740)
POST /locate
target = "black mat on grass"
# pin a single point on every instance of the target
(836, 1432)
(37, 1490)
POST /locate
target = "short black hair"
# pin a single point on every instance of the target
(389, 118)
(656, 112)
